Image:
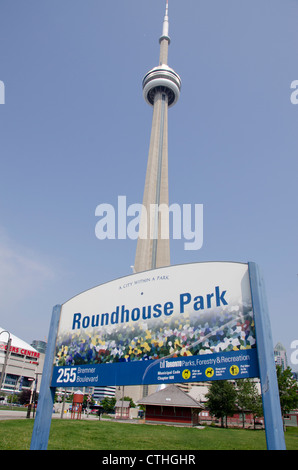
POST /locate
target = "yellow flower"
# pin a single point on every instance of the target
(95, 340)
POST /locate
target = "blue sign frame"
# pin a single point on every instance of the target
(257, 362)
(269, 387)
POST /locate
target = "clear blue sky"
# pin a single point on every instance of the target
(74, 133)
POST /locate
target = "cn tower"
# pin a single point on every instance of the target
(161, 90)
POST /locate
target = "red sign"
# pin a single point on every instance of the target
(21, 351)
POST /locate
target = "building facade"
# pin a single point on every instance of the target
(171, 406)
(100, 393)
(20, 365)
(280, 356)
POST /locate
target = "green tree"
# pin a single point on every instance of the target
(248, 398)
(288, 390)
(108, 404)
(221, 399)
(256, 407)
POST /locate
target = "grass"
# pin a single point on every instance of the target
(107, 435)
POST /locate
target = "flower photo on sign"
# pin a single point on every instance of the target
(193, 333)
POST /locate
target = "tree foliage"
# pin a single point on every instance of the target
(288, 390)
(248, 398)
(108, 404)
(224, 398)
(221, 399)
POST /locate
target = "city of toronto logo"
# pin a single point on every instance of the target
(179, 222)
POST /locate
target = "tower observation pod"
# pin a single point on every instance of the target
(162, 79)
(161, 90)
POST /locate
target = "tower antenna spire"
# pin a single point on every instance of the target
(165, 28)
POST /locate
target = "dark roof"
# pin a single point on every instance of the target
(171, 396)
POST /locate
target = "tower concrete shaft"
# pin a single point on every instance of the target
(161, 89)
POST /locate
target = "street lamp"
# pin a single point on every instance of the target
(32, 380)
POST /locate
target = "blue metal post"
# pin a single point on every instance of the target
(270, 395)
(42, 423)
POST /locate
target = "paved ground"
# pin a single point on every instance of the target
(15, 414)
(12, 414)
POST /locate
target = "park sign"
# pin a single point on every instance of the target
(176, 324)
(184, 323)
